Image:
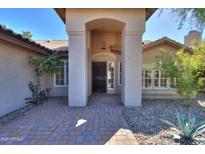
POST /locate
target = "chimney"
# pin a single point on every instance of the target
(193, 36)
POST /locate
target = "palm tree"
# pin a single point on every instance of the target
(27, 34)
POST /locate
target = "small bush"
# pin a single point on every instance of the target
(38, 95)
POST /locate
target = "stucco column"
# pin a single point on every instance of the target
(77, 93)
(132, 68)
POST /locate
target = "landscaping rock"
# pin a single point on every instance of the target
(145, 121)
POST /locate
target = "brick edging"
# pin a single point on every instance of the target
(9, 116)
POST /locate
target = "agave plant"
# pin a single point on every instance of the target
(38, 94)
(189, 129)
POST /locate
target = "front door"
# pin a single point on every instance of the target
(99, 77)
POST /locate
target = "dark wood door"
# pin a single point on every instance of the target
(99, 77)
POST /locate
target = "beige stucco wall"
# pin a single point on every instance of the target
(110, 38)
(77, 18)
(160, 94)
(77, 23)
(15, 75)
(131, 42)
(149, 58)
(150, 54)
(55, 90)
(97, 55)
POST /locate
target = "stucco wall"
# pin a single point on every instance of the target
(117, 86)
(77, 18)
(78, 22)
(55, 91)
(160, 94)
(14, 77)
(16, 73)
(109, 38)
(150, 54)
(148, 58)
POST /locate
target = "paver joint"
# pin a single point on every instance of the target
(100, 122)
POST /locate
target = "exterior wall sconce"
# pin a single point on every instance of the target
(103, 45)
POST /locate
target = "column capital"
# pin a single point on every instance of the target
(134, 32)
(76, 32)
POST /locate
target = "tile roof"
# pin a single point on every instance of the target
(61, 46)
(167, 40)
(55, 45)
(8, 32)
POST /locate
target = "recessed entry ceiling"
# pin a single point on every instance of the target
(105, 25)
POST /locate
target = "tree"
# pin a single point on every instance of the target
(48, 64)
(185, 69)
(27, 34)
(195, 17)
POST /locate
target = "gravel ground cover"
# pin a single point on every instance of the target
(145, 124)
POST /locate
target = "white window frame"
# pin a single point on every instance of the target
(65, 75)
(159, 80)
(143, 79)
(113, 76)
(152, 80)
(119, 73)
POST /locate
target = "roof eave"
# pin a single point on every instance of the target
(12, 37)
(168, 41)
(61, 13)
(150, 12)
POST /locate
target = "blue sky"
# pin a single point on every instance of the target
(45, 24)
(165, 25)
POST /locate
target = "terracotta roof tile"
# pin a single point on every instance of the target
(168, 41)
(55, 45)
(17, 36)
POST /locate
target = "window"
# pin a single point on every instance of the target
(61, 78)
(147, 78)
(110, 74)
(164, 80)
(119, 73)
(160, 79)
(155, 79)
(173, 83)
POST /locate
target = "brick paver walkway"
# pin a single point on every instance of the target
(101, 122)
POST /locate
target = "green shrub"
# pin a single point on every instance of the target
(38, 94)
(46, 64)
(186, 67)
(202, 84)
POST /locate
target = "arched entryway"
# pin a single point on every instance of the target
(116, 32)
(104, 42)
